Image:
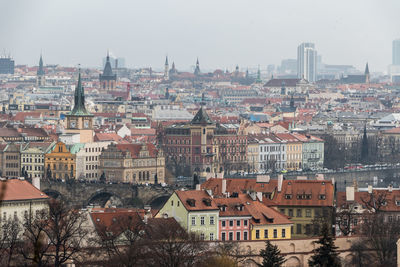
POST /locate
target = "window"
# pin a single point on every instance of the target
(308, 213)
(238, 223)
(212, 220)
(298, 228)
(275, 233)
(257, 234)
(202, 236)
(178, 204)
(308, 229)
(244, 235)
(237, 235)
(231, 223)
(202, 220)
(290, 212)
(223, 236)
(223, 223)
(245, 222)
(172, 202)
(299, 213)
(265, 233)
(211, 236)
(390, 218)
(230, 236)
(283, 232)
(283, 211)
(193, 220)
(355, 222)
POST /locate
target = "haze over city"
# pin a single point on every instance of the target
(221, 33)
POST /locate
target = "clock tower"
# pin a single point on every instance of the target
(79, 120)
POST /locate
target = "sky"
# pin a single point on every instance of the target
(221, 33)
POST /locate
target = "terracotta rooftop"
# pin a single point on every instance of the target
(196, 200)
(15, 189)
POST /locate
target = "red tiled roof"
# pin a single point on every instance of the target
(15, 189)
(107, 137)
(134, 149)
(199, 197)
(239, 185)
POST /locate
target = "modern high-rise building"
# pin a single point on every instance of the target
(396, 52)
(6, 65)
(307, 62)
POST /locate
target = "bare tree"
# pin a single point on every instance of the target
(169, 245)
(9, 242)
(34, 246)
(234, 251)
(375, 200)
(122, 241)
(347, 219)
(381, 237)
(54, 235)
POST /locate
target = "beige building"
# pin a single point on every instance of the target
(132, 163)
(20, 199)
(32, 158)
(88, 160)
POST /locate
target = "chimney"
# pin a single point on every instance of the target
(320, 176)
(145, 218)
(390, 188)
(301, 177)
(263, 178)
(223, 190)
(253, 195)
(370, 189)
(198, 188)
(280, 181)
(349, 193)
(36, 182)
(260, 196)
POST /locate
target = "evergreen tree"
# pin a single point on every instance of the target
(364, 147)
(271, 256)
(325, 255)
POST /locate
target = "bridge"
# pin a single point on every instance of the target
(99, 194)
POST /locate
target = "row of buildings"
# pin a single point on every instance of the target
(253, 209)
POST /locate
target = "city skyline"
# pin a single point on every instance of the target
(226, 36)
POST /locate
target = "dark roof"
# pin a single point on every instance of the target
(107, 68)
(280, 82)
(201, 117)
(354, 79)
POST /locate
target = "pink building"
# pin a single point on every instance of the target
(234, 219)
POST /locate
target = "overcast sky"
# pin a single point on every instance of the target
(222, 33)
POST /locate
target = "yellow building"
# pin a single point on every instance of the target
(294, 151)
(267, 223)
(60, 163)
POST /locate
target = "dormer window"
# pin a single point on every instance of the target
(207, 201)
(191, 202)
(223, 208)
(288, 196)
(397, 202)
(322, 197)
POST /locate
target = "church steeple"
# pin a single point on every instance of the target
(79, 100)
(166, 69)
(40, 80)
(197, 70)
(108, 80)
(366, 73)
(40, 71)
(258, 75)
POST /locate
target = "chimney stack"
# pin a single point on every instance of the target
(390, 188)
(36, 182)
(198, 188)
(280, 181)
(370, 189)
(223, 189)
(349, 193)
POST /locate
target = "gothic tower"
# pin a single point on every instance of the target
(166, 69)
(366, 73)
(41, 79)
(79, 120)
(197, 70)
(108, 80)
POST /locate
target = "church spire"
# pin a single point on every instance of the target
(79, 99)
(197, 70)
(40, 71)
